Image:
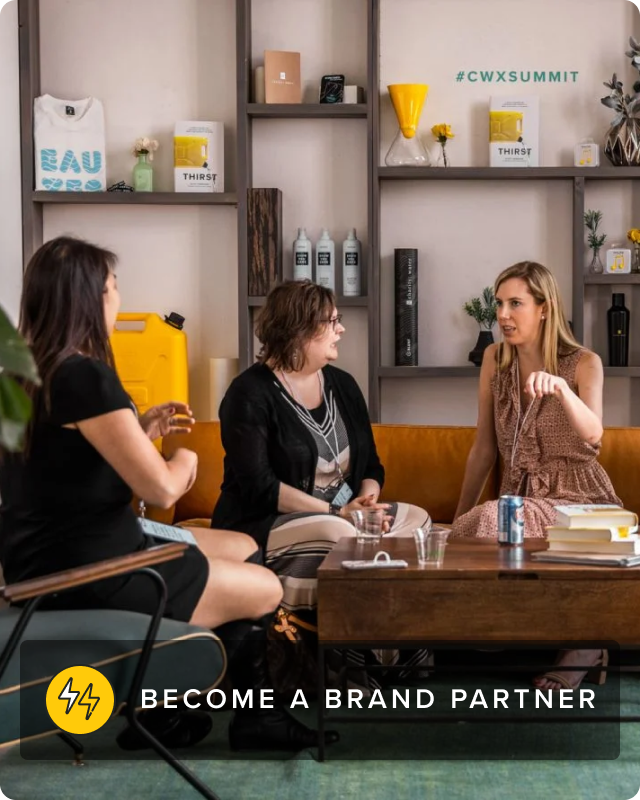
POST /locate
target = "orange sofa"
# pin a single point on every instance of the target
(424, 465)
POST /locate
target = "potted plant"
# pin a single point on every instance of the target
(483, 310)
(622, 142)
(16, 361)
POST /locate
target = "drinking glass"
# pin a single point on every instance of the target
(368, 523)
(430, 545)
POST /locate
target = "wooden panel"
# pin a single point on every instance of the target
(138, 198)
(264, 239)
(454, 610)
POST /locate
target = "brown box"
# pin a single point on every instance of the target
(282, 77)
(264, 234)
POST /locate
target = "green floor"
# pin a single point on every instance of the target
(237, 778)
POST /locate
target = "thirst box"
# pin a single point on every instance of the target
(151, 360)
(514, 132)
(198, 150)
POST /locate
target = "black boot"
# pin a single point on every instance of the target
(264, 728)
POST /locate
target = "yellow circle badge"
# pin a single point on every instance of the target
(80, 700)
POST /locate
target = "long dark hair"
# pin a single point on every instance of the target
(62, 309)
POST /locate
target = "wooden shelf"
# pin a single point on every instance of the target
(308, 110)
(622, 372)
(341, 302)
(612, 280)
(505, 173)
(428, 372)
(138, 198)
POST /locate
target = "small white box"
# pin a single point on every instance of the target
(353, 94)
(586, 154)
(618, 261)
(514, 132)
(198, 149)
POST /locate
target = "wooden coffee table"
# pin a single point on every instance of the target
(482, 594)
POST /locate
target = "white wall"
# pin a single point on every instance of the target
(10, 217)
(157, 61)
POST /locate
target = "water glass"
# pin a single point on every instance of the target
(368, 523)
(430, 545)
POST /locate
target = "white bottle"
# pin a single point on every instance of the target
(351, 265)
(326, 261)
(302, 263)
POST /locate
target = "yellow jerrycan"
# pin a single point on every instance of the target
(151, 358)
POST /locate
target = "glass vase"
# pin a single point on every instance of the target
(635, 259)
(143, 174)
(407, 150)
(444, 160)
(596, 267)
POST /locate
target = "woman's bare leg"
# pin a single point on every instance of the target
(236, 591)
(228, 545)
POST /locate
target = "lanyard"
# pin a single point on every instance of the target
(304, 412)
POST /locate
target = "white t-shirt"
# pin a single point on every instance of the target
(69, 145)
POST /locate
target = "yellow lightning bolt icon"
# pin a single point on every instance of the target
(90, 702)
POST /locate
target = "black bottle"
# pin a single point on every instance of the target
(618, 325)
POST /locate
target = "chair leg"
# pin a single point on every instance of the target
(74, 744)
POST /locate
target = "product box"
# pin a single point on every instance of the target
(282, 82)
(618, 261)
(198, 150)
(514, 132)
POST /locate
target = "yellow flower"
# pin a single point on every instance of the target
(634, 235)
(442, 132)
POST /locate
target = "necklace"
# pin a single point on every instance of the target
(332, 414)
(519, 420)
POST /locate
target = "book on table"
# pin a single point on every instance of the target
(557, 534)
(595, 516)
(620, 547)
(590, 559)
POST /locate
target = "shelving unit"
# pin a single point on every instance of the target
(33, 202)
(246, 113)
(382, 174)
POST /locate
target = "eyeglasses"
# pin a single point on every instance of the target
(333, 320)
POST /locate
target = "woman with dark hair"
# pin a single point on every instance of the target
(66, 501)
(300, 453)
(540, 407)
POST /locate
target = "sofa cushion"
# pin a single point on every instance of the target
(184, 657)
(205, 440)
(425, 466)
(620, 456)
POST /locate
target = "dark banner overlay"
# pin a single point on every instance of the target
(474, 703)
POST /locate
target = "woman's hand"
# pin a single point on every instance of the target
(543, 383)
(365, 503)
(172, 417)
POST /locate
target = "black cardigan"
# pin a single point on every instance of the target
(266, 444)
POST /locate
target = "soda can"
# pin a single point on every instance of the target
(510, 519)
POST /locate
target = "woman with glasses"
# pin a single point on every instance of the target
(300, 453)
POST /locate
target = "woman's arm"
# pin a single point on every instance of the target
(483, 453)
(120, 440)
(584, 409)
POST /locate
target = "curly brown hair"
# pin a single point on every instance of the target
(295, 312)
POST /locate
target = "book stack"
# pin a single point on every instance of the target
(593, 534)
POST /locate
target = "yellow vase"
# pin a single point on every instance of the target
(408, 99)
(407, 150)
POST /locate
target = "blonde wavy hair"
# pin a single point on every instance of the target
(557, 338)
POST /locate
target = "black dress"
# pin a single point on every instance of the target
(64, 506)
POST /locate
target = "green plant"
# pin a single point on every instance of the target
(591, 220)
(16, 361)
(624, 105)
(483, 309)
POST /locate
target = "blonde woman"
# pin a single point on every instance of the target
(540, 407)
